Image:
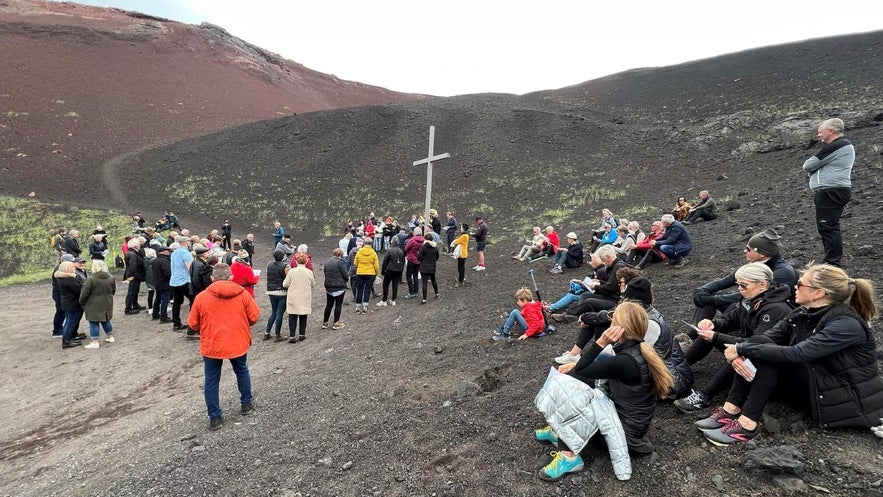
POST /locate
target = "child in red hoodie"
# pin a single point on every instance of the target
(528, 316)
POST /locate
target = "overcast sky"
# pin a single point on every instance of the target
(456, 47)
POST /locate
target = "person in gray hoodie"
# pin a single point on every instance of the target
(830, 180)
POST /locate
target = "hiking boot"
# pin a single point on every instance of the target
(165, 320)
(546, 435)
(179, 327)
(338, 326)
(693, 402)
(130, 312)
(79, 336)
(718, 419)
(560, 466)
(567, 358)
(732, 433)
(292, 340)
(280, 338)
(191, 334)
(560, 318)
(246, 409)
(92, 345)
(215, 423)
(267, 336)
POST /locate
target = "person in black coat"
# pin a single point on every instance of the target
(227, 235)
(391, 268)
(136, 272)
(336, 278)
(162, 275)
(72, 244)
(69, 288)
(428, 256)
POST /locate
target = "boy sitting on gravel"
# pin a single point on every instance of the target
(528, 316)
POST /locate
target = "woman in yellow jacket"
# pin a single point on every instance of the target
(367, 268)
(462, 242)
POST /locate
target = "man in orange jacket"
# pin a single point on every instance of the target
(222, 315)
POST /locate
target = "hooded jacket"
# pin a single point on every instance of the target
(69, 287)
(96, 297)
(428, 255)
(394, 261)
(223, 315)
(412, 247)
(336, 275)
(244, 275)
(366, 261)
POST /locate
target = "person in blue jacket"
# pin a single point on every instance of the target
(675, 242)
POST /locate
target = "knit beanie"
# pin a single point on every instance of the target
(765, 243)
(639, 289)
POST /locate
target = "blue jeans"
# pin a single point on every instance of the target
(94, 330)
(277, 312)
(363, 288)
(58, 319)
(161, 304)
(213, 380)
(673, 256)
(564, 302)
(71, 322)
(515, 317)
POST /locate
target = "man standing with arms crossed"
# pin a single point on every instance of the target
(830, 181)
(223, 315)
(181, 261)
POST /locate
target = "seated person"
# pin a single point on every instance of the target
(534, 247)
(681, 209)
(636, 288)
(764, 303)
(704, 210)
(822, 356)
(675, 242)
(605, 293)
(553, 243)
(762, 247)
(608, 237)
(528, 316)
(643, 247)
(570, 256)
(635, 378)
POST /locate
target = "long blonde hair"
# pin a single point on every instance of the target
(634, 320)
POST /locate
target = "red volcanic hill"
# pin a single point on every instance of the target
(80, 85)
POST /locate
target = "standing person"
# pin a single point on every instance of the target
(428, 256)
(96, 297)
(243, 274)
(181, 261)
(480, 242)
(58, 318)
(435, 222)
(276, 272)
(222, 315)
(226, 235)
(72, 243)
(300, 282)
(136, 272)
(248, 246)
(149, 273)
(391, 269)
(462, 241)
(450, 231)
(830, 181)
(98, 247)
(69, 287)
(412, 248)
(201, 269)
(162, 276)
(278, 233)
(367, 268)
(336, 278)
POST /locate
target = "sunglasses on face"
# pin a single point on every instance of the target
(743, 286)
(801, 284)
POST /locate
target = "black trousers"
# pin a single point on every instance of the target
(830, 203)
(411, 273)
(132, 294)
(391, 278)
(179, 293)
(461, 269)
(335, 303)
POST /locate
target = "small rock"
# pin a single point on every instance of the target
(718, 481)
(347, 465)
(325, 461)
(777, 460)
(865, 250)
(467, 388)
(198, 448)
(723, 177)
(437, 349)
(447, 403)
(771, 424)
(399, 478)
(790, 484)
(277, 371)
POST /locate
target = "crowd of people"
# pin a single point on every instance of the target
(804, 336)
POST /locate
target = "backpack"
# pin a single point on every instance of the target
(118, 261)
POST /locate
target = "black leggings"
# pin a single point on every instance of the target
(330, 302)
(461, 269)
(426, 278)
(295, 320)
(590, 333)
(391, 277)
(411, 275)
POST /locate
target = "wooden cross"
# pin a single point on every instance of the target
(428, 161)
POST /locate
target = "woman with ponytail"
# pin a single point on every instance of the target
(635, 377)
(829, 336)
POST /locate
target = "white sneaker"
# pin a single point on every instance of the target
(381, 304)
(392, 302)
(475, 268)
(110, 339)
(481, 268)
(91, 345)
(567, 358)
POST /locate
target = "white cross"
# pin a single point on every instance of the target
(428, 161)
